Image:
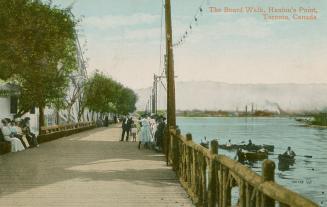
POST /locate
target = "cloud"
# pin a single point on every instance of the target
(245, 27)
(144, 34)
(241, 28)
(115, 21)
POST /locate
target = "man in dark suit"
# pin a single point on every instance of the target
(126, 126)
(123, 126)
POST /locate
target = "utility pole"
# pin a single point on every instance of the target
(171, 104)
(146, 107)
(157, 78)
(150, 104)
(154, 94)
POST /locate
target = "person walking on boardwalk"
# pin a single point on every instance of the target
(134, 129)
(145, 136)
(126, 126)
(159, 134)
(129, 127)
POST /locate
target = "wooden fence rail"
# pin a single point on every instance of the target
(54, 132)
(209, 178)
(64, 127)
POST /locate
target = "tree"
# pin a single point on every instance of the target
(104, 95)
(126, 101)
(100, 93)
(37, 51)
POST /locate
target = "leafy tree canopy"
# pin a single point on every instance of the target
(37, 50)
(103, 94)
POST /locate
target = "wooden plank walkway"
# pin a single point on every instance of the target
(89, 169)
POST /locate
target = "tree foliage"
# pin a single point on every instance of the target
(103, 94)
(39, 54)
(37, 50)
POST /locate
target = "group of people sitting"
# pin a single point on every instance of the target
(18, 133)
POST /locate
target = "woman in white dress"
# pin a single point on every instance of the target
(145, 136)
(16, 144)
(17, 131)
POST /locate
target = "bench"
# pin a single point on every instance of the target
(49, 129)
(5, 147)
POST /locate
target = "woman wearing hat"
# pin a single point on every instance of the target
(16, 129)
(16, 144)
(31, 137)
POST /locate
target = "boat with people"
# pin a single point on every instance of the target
(269, 148)
(205, 143)
(287, 159)
(243, 155)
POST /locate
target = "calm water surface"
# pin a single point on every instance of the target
(308, 176)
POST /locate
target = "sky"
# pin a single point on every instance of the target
(123, 40)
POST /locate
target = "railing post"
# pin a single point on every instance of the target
(226, 188)
(212, 194)
(166, 143)
(268, 174)
(203, 172)
(242, 194)
(189, 161)
(176, 150)
(189, 137)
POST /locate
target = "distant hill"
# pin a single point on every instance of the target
(209, 95)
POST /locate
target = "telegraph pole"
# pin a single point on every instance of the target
(154, 94)
(171, 104)
(150, 104)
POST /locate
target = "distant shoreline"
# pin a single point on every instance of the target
(234, 116)
(313, 126)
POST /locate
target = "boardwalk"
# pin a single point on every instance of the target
(88, 169)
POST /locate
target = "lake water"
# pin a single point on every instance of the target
(308, 176)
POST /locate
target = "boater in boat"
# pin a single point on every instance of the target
(229, 143)
(287, 158)
(289, 152)
(205, 143)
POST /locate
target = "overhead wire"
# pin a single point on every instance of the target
(181, 40)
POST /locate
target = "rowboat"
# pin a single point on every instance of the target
(206, 145)
(252, 155)
(285, 161)
(269, 148)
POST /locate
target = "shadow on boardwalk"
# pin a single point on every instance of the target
(89, 169)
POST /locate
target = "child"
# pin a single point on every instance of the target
(134, 132)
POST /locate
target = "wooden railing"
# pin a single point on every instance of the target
(209, 178)
(65, 127)
(55, 132)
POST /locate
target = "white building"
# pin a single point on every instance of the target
(9, 105)
(9, 102)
